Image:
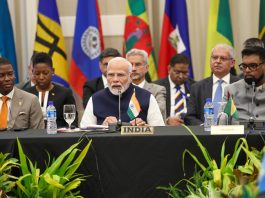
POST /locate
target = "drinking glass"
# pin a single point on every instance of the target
(222, 117)
(69, 114)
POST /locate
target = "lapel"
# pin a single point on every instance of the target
(16, 103)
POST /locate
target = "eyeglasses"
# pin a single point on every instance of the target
(221, 58)
(250, 66)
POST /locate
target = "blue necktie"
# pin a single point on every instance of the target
(179, 101)
(217, 98)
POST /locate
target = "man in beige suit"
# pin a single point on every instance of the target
(139, 60)
(18, 109)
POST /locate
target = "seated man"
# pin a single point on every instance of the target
(249, 93)
(92, 86)
(19, 109)
(46, 90)
(139, 60)
(137, 106)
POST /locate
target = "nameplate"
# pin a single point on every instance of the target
(137, 130)
(227, 129)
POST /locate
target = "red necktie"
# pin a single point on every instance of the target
(4, 111)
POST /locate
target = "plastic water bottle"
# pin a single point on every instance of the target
(51, 118)
(208, 114)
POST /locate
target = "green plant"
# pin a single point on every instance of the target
(58, 180)
(7, 181)
(227, 180)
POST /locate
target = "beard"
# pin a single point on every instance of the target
(258, 81)
(118, 90)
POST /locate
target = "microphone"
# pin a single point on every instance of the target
(117, 126)
(251, 121)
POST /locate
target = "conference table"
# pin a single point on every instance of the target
(121, 166)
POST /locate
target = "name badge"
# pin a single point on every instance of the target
(227, 129)
(137, 130)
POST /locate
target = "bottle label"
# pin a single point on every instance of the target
(51, 114)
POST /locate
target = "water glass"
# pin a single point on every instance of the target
(69, 114)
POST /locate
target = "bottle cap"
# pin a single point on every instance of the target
(208, 100)
(50, 103)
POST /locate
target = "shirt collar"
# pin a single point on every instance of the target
(226, 79)
(141, 85)
(105, 82)
(9, 95)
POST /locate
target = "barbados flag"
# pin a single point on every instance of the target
(137, 33)
(87, 46)
(175, 35)
(49, 39)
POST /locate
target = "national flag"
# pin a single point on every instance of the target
(7, 44)
(87, 45)
(219, 29)
(134, 107)
(175, 35)
(137, 33)
(49, 39)
(262, 21)
(230, 108)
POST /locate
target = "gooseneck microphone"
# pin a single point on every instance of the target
(251, 121)
(119, 118)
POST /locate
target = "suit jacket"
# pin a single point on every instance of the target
(90, 87)
(24, 85)
(199, 92)
(159, 92)
(60, 96)
(25, 111)
(165, 82)
(242, 94)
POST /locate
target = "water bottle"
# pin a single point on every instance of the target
(208, 114)
(51, 118)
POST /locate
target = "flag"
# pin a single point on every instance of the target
(262, 21)
(87, 46)
(134, 107)
(175, 35)
(49, 39)
(219, 29)
(7, 44)
(137, 33)
(230, 109)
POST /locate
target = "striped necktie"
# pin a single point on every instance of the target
(3, 115)
(179, 101)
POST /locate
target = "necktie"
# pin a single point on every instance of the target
(4, 110)
(179, 101)
(217, 99)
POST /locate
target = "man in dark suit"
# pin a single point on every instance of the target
(92, 86)
(178, 70)
(221, 62)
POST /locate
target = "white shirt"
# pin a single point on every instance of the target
(173, 92)
(154, 116)
(10, 96)
(226, 81)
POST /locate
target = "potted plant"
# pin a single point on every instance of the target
(226, 180)
(7, 180)
(58, 180)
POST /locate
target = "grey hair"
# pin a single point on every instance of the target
(225, 46)
(139, 52)
(120, 59)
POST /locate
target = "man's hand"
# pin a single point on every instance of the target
(138, 122)
(174, 121)
(109, 120)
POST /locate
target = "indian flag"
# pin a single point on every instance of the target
(230, 109)
(134, 107)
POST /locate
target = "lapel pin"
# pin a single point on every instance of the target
(53, 94)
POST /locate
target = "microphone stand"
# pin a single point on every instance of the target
(251, 121)
(119, 123)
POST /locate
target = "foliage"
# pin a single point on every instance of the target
(7, 181)
(58, 180)
(227, 180)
